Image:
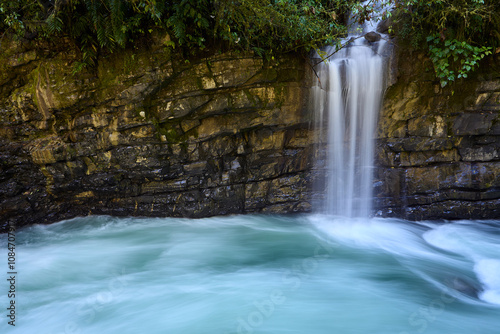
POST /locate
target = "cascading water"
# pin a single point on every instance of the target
(347, 97)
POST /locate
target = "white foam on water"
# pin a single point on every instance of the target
(488, 272)
(480, 248)
(386, 234)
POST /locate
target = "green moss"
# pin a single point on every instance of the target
(280, 94)
(252, 98)
(269, 74)
(172, 132)
(199, 83)
(72, 152)
(31, 88)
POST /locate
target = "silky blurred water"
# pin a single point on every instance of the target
(255, 274)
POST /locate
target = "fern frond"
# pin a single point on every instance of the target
(54, 24)
(116, 17)
(79, 26)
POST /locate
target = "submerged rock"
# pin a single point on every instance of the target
(465, 287)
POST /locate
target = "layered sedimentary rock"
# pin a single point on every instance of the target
(148, 135)
(439, 149)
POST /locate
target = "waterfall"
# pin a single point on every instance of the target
(347, 95)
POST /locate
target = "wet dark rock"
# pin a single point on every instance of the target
(437, 159)
(384, 26)
(372, 36)
(473, 123)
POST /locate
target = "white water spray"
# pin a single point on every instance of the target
(347, 96)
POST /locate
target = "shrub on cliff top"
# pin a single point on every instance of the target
(266, 27)
(457, 34)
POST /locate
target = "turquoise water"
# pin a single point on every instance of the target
(255, 274)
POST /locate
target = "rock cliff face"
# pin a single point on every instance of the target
(439, 150)
(147, 135)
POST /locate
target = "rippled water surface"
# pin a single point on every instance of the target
(306, 274)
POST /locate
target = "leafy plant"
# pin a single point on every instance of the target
(453, 54)
(267, 27)
(457, 34)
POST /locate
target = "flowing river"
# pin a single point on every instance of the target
(255, 274)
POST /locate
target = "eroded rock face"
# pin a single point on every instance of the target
(148, 135)
(439, 153)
